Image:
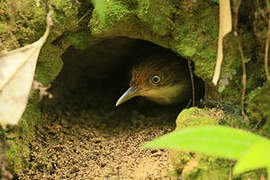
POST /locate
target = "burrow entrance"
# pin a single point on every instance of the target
(82, 134)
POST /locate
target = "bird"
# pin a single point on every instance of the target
(161, 77)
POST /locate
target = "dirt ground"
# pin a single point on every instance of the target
(82, 135)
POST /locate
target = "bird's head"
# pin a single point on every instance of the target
(160, 78)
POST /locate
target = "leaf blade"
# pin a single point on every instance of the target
(16, 75)
(257, 156)
(212, 140)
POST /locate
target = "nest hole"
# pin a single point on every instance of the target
(94, 79)
(82, 128)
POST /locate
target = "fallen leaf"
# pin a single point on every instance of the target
(17, 69)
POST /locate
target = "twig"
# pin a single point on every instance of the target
(240, 48)
(86, 14)
(188, 104)
(192, 81)
(267, 48)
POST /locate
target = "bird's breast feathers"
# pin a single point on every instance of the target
(166, 94)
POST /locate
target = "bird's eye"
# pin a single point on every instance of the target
(155, 79)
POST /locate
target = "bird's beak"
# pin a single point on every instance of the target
(130, 93)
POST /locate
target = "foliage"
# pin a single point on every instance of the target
(250, 150)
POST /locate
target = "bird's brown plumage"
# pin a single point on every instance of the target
(168, 66)
(174, 85)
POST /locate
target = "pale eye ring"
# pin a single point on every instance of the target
(155, 79)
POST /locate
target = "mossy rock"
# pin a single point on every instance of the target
(196, 165)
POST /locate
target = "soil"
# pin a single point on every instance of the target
(82, 135)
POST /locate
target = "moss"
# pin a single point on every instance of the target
(191, 40)
(30, 21)
(194, 117)
(161, 24)
(16, 154)
(81, 40)
(49, 64)
(65, 17)
(3, 27)
(18, 137)
(116, 13)
(258, 104)
(210, 169)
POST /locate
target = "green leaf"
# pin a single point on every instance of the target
(257, 156)
(212, 140)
